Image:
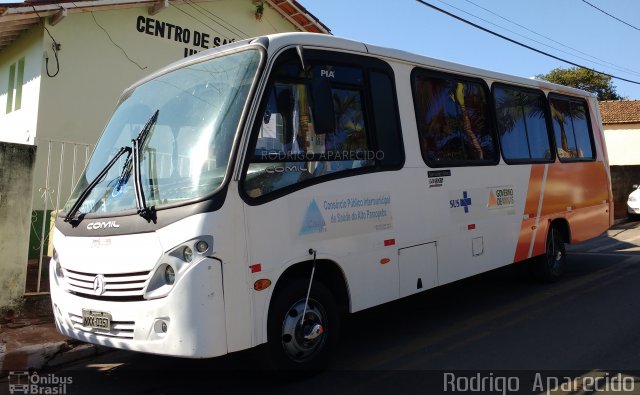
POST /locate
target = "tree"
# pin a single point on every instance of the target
(585, 79)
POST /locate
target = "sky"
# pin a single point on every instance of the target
(569, 29)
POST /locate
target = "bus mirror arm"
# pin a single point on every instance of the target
(324, 117)
(301, 56)
(322, 99)
(313, 332)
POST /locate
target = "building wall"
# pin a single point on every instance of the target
(104, 52)
(16, 169)
(19, 125)
(622, 180)
(623, 144)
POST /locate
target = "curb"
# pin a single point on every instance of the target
(34, 356)
(48, 355)
(81, 351)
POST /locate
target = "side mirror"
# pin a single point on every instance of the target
(324, 115)
(635, 186)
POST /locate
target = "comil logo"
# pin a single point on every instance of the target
(102, 225)
(32, 383)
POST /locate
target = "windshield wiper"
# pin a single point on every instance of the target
(148, 213)
(86, 191)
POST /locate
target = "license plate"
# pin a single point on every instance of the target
(96, 319)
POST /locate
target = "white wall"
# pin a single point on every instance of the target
(101, 57)
(19, 126)
(623, 144)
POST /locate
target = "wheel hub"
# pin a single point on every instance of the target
(301, 339)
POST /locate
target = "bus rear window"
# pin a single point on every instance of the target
(572, 129)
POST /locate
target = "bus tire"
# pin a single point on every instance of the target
(287, 346)
(550, 266)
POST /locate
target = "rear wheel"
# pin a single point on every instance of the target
(551, 266)
(297, 343)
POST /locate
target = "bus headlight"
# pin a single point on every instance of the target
(58, 269)
(162, 281)
(174, 263)
(169, 275)
(187, 254)
(59, 272)
(202, 246)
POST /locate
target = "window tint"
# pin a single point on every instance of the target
(453, 120)
(288, 150)
(574, 140)
(522, 124)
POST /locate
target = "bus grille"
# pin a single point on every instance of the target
(119, 329)
(126, 286)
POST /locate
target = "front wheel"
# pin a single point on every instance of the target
(551, 266)
(301, 343)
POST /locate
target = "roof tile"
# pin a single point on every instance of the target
(620, 111)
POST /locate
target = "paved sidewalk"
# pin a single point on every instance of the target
(31, 341)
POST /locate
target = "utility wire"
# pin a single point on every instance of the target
(54, 46)
(219, 20)
(484, 29)
(534, 40)
(606, 13)
(621, 68)
(193, 17)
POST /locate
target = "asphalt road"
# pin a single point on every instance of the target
(497, 324)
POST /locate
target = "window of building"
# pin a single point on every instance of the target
(572, 128)
(521, 116)
(14, 90)
(454, 121)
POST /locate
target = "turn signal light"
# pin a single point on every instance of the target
(262, 284)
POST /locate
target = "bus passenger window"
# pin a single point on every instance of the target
(522, 124)
(453, 120)
(574, 139)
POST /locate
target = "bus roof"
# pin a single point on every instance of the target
(321, 40)
(275, 42)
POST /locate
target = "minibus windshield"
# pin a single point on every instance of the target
(186, 151)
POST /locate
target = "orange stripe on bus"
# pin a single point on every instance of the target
(574, 191)
(530, 210)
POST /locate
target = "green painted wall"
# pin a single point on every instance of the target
(16, 172)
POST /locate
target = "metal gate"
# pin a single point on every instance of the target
(54, 179)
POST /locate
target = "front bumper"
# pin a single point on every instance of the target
(193, 313)
(633, 208)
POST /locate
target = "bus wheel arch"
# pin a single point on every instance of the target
(327, 272)
(298, 344)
